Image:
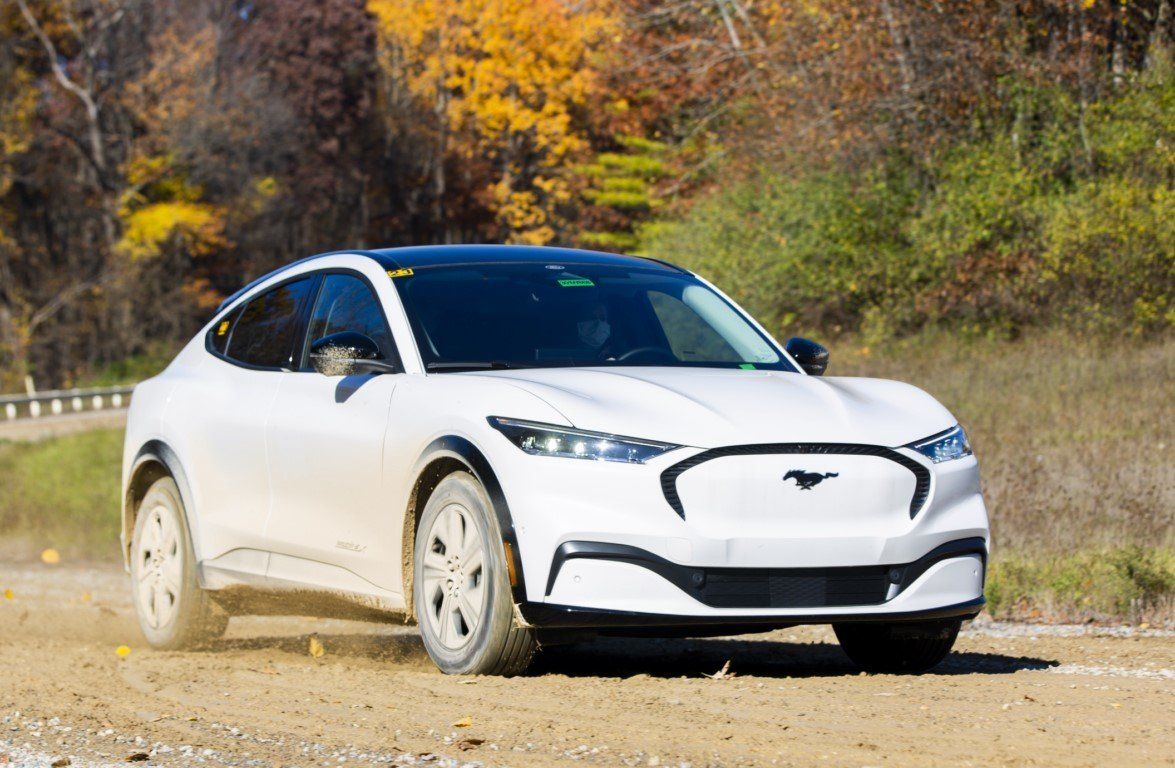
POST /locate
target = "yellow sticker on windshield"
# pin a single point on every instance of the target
(222, 329)
(400, 273)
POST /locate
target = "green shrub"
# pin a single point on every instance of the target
(821, 246)
(1110, 243)
(1129, 582)
(1047, 213)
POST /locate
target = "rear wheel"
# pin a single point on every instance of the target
(461, 585)
(173, 611)
(898, 646)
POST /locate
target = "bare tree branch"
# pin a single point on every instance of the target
(93, 114)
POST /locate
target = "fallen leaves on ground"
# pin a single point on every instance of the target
(50, 556)
(123, 651)
(316, 648)
(722, 674)
(464, 722)
(8, 594)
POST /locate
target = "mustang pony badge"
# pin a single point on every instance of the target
(806, 481)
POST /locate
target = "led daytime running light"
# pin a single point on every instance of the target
(550, 440)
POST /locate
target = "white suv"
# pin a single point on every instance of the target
(501, 441)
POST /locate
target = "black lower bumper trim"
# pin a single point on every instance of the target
(753, 588)
(549, 616)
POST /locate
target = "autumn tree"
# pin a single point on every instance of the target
(318, 58)
(504, 85)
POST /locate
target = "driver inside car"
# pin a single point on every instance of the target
(595, 330)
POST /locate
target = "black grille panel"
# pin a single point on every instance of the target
(921, 473)
(793, 587)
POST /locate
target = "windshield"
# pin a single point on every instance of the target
(527, 315)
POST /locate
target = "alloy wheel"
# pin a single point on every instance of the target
(454, 577)
(159, 567)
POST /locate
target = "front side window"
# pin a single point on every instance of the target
(546, 315)
(346, 303)
(264, 332)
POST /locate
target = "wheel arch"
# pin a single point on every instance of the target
(441, 458)
(154, 460)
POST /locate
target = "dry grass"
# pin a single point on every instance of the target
(1074, 438)
(61, 493)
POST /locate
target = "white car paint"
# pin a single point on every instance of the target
(290, 486)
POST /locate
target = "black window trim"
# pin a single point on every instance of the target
(304, 332)
(299, 330)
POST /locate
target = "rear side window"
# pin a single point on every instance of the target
(264, 333)
(221, 332)
(346, 303)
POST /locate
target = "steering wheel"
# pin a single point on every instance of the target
(661, 352)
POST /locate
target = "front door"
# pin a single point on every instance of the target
(330, 522)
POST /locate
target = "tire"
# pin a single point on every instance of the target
(174, 613)
(909, 647)
(461, 585)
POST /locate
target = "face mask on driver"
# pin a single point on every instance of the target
(594, 332)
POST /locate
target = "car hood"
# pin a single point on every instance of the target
(709, 407)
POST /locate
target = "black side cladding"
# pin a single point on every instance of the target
(921, 473)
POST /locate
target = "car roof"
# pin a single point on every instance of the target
(421, 256)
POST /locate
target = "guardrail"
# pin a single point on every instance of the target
(60, 401)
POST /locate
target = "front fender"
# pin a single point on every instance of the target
(153, 460)
(462, 450)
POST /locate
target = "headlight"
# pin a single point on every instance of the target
(551, 440)
(944, 446)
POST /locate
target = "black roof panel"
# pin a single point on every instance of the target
(440, 255)
(420, 256)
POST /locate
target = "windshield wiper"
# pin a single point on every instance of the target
(472, 365)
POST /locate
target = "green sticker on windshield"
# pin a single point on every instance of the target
(576, 282)
(747, 366)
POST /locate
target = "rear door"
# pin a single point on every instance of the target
(253, 348)
(331, 522)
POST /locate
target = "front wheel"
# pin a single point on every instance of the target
(174, 613)
(461, 585)
(915, 646)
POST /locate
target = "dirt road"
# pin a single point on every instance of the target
(64, 424)
(1011, 695)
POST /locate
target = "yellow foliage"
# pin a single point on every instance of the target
(147, 229)
(265, 187)
(18, 104)
(169, 92)
(17, 111)
(505, 79)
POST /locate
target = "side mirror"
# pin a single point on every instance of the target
(812, 357)
(346, 354)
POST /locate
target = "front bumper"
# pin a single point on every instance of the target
(610, 585)
(602, 545)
